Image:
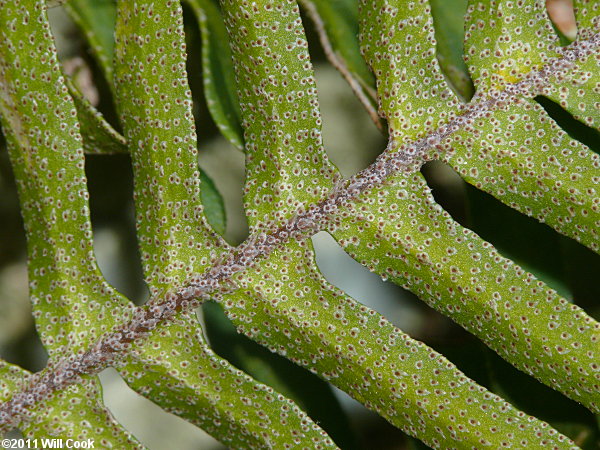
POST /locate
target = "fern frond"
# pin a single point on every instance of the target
(286, 163)
(217, 72)
(96, 19)
(518, 154)
(270, 287)
(579, 91)
(421, 248)
(286, 305)
(174, 236)
(176, 242)
(77, 412)
(75, 307)
(522, 157)
(400, 214)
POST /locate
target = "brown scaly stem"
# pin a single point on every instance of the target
(112, 347)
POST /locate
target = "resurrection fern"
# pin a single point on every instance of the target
(261, 92)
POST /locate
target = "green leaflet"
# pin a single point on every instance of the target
(77, 413)
(98, 136)
(74, 306)
(511, 59)
(286, 299)
(403, 252)
(578, 94)
(311, 393)
(96, 19)
(397, 40)
(192, 382)
(462, 276)
(337, 24)
(519, 155)
(448, 17)
(523, 154)
(217, 72)
(340, 20)
(12, 377)
(283, 301)
(517, 39)
(277, 93)
(100, 421)
(176, 242)
(155, 108)
(210, 393)
(286, 166)
(587, 15)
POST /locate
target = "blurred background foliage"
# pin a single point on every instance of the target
(352, 141)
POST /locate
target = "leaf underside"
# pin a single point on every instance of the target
(261, 93)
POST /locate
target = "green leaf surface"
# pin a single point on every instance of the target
(508, 27)
(508, 62)
(311, 393)
(523, 154)
(286, 299)
(398, 43)
(519, 155)
(501, 142)
(217, 72)
(448, 17)
(587, 16)
(77, 413)
(96, 19)
(74, 307)
(176, 242)
(286, 165)
(98, 136)
(175, 238)
(421, 248)
(527, 242)
(192, 382)
(579, 93)
(340, 22)
(526, 393)
(12, 377)
(574, 128)
(505, 40)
